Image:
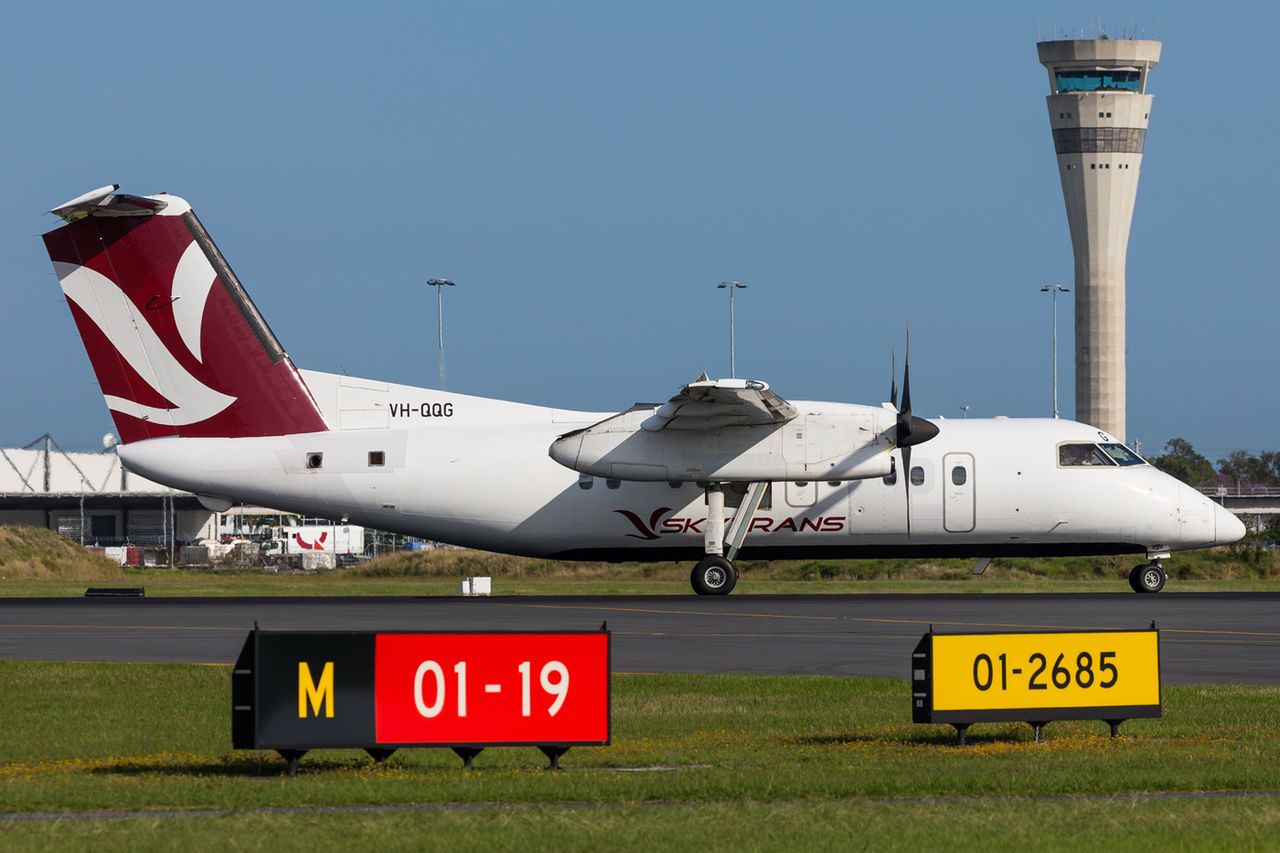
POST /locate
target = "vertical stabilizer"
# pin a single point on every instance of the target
(177, 345)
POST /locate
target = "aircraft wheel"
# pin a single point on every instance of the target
(713, 576)
(1148, 578)
(1134, 574)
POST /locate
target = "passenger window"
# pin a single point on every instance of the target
(586, 481)
(377, 458)
(959, 475)
(917, 476)
(315, 461)
(1077, 455)
(613, 484)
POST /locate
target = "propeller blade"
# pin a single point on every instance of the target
(904, 414)
(906, 482)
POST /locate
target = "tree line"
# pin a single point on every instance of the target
(1239, 468)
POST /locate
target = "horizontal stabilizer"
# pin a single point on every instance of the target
(105, 201)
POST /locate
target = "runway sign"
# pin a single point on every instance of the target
(1036, 677)
(294, 691)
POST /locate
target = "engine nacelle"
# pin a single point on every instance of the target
(845, 443)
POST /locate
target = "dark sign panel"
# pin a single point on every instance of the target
(315, 690)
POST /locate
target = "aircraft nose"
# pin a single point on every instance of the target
(1228, 528)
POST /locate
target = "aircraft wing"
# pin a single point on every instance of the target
(711, 404)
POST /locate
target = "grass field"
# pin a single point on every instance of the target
(38, 563)
(696, 762)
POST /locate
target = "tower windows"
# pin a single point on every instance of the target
(1099, 140)
(1092, 80)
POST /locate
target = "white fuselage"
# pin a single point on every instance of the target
(476, 472)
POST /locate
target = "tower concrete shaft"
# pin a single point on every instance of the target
(1098, 110)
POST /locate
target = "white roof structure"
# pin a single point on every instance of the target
(43, 467)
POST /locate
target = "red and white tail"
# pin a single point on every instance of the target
(176, 343)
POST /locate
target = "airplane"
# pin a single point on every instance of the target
(205, 399)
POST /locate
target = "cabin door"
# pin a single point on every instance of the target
(958, 511)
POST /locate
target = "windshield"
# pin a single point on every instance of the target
(1123, 455)
(1073, 455)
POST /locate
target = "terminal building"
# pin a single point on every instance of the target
(1099, 108)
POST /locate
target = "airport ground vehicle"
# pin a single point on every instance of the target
(343, 541)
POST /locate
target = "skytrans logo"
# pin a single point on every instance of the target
(138, 341)
(656, 527)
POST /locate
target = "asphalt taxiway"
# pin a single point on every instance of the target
(1206, 637)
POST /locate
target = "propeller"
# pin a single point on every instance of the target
(910, 429)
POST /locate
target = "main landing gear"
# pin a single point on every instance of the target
(1149, 577)
(715, 573)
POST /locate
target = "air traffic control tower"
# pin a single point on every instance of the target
(1098, 109)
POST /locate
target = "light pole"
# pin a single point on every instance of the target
(731, 286)
(440, 284)
(965, 409)
(1055, 289)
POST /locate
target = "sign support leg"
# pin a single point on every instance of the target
(1115, 727)
(554, 753)
(379, 755)
(467, 754)
(961, 729)
(292, 756)
(1038, 729)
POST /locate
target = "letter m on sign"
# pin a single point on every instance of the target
(312, 694)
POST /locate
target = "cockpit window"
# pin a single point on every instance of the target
(1074, 455)
(1122, 454)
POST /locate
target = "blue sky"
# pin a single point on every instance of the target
(587, 172)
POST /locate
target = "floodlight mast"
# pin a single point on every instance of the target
(1055, 289)
(440, 284)
(731, 286)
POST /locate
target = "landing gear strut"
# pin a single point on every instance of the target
(1149, 577)
(713, 575)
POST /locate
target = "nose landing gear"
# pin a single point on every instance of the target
(1149, 577)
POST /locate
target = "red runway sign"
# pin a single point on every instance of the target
(491, 688)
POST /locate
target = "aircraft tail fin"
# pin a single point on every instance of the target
(177, 345)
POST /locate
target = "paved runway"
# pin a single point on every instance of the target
(1206, 637)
